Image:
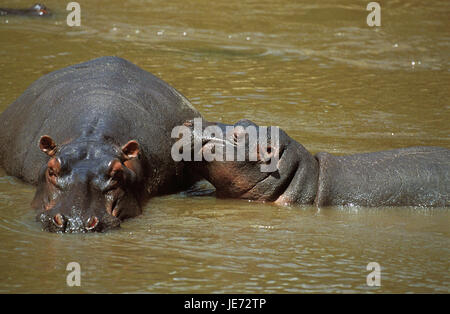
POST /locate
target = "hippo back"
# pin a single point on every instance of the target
(106, 99)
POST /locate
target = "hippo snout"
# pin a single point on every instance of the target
(60, 223)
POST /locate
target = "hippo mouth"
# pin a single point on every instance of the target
(270, 187)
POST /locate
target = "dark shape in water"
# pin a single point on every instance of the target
(36, 10)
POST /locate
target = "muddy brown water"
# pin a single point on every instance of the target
(317, 70)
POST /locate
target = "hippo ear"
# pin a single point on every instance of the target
(131, 149)
(47, 145)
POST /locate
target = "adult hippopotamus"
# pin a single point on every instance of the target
(414, 176)
(95, 138)
(36, 10)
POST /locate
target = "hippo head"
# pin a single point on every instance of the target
(87, 185)
(271, 166)
(241, 176)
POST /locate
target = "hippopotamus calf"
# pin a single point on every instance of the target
(414, 176)
(36, 10)
(95, 139)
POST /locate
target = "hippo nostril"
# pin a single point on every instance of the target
(58, 220)
(91, 223)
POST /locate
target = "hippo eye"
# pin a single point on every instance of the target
(53, 169)
(115, 172)
(52, 175)
(266, 153)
